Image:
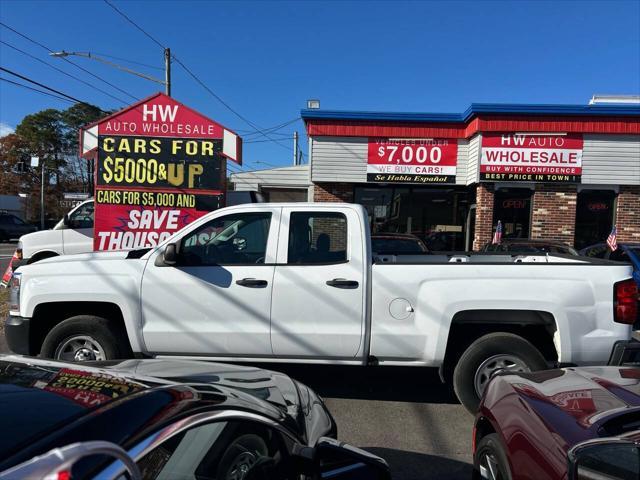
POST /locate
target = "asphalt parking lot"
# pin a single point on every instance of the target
(404, 415)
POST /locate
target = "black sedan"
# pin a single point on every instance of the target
(176, 419)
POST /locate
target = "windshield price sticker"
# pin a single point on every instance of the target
(412, 160)
(531, 158)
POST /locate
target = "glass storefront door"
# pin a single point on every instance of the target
(512, 206)
(436, 215)
(594, 216)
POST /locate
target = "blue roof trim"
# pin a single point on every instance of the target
(474, 110)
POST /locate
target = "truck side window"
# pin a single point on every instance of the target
(316, 238)
(82, 217)
(236, 239)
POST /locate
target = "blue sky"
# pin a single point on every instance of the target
(266, 58)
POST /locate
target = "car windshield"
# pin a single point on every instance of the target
(392, 246)
(34, 400)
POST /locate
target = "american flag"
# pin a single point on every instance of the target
(612, 239)
(497, 237)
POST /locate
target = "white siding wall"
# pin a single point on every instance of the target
(611, 159)
(339, 159)
(462, 162)
(473, 163)
(297, 176)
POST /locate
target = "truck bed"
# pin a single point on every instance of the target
(486, 258)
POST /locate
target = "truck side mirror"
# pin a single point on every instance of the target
(65, 220)
(170, 254)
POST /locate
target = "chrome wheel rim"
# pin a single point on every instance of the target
(495, 364)
(80, 348)
(241, 466)
(489, 467)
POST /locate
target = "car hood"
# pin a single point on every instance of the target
(272, 393)
(580, 403)
(299, 407)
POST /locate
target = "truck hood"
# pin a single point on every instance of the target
(581, 403)
(87, 257)
(38, 240)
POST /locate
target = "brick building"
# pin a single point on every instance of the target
(561, 172)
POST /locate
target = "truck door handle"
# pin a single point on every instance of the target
(252, 283)
(342, 283)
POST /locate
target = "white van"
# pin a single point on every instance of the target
(72, 234)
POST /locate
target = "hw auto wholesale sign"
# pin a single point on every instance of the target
(159, 166)
(531, 158)
(412, 160)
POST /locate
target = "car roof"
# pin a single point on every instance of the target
(398, 236)
(43, 399)
(535, 241)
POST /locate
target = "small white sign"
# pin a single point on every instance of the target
(35, 161)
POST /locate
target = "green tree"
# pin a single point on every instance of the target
(51, 135)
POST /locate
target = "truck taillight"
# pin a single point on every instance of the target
(625, 302)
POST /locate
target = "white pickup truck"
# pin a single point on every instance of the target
(297, 283)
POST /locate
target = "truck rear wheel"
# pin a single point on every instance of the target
(85, 338)
(492, 353)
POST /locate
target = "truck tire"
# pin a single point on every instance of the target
(85, 338)
(487, 355)
(491, 457)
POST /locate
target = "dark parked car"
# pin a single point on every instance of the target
(575, 423)
(621, 254)
(12, 227)
(527, 245)
(176, 419)
(397, 244)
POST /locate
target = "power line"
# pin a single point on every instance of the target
(61, 71)
(273, 130)
(36, 90)
(130, 61)
(134, 23)
(41, 85)
(195, 77)
(67, 60)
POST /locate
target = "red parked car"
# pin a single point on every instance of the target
(571, 423)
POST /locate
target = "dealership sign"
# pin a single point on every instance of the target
(531, 158)
(412, 160)
(159, 166)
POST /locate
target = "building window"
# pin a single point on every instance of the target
(435, 215)
(512, 206)
(594, 216)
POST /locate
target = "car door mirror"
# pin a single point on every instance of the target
(613, 459)
(339, 461)
(170, 256)
(65, 220)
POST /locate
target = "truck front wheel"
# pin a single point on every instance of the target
(85, 338)
(492, 353)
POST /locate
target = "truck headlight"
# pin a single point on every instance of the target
(14, 292)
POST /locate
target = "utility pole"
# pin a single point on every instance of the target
(295, 148)
(167, 71)
(42, 195)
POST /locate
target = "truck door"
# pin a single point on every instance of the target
(319, 287)
(216, 299)
(77, 234)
